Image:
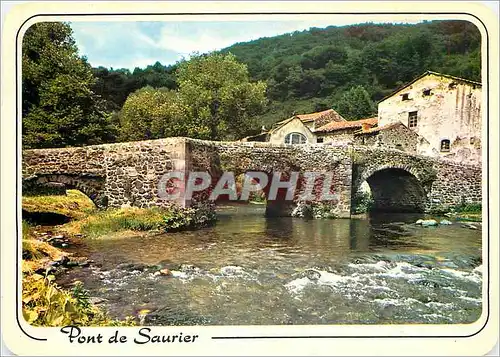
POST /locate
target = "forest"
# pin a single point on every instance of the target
(231, 93)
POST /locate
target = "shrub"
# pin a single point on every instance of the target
(362, 202)
(46, 304)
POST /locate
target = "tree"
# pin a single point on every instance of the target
(150, 113)
(356, 104)
(59, 107)
(221, 99)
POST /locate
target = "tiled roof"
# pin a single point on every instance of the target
(326, 114)
(330, 114)
(347, 124)
(379, 128)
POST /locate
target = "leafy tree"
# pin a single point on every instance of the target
(356, 104)
(220, 97)
(59, 107)
(152, 113)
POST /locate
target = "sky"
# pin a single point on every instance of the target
(138, 44)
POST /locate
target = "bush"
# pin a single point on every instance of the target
(46, 304)
(362, 202)
(469, 207)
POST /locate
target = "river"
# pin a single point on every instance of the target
(248, 269)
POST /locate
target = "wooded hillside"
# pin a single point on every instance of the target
(322, 68)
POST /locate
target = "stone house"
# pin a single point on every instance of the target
(393, 136)
(299, 129)
(342, 132)
(443, 109)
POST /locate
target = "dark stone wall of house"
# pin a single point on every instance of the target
(397, 137)
(129, 173)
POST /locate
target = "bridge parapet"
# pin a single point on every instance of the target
(129, 173)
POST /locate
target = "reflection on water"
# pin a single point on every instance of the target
(249, 269)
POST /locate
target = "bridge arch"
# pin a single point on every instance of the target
(91, 186)
(396, 189)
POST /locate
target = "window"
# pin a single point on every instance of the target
(412, 120)
(452, 85)
(295, 138)
(399, 147)
(445, 145)
(320, 140)
(427, 92)
(405, 96)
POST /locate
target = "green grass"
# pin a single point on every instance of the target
(74, 204)
(154, 219)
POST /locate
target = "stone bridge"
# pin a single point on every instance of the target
(119, 174)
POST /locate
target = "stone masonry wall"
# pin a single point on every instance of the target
(134, 170)
(444, 183)
(396, 137)
(128, 173)
(265, 157)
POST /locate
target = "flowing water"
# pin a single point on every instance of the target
(249, 269)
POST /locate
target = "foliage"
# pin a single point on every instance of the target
(220, 97)
(46, 304)
(231, 93)
(362, 202)
(328, 62)
(115, 85)
(152, 113)
(313, 70)
(214, 100)
(59, 107)
(356, 104)
(468, 208)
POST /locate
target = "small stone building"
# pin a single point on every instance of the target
(342, 132)
(443, 109)
(298, 129)
(393, 136)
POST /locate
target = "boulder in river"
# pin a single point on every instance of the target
(427, 222)
(163, 272)
(469, 225)
(312, 274)
(188, 268)
(445, 222)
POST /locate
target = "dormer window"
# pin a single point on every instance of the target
(427, 92)
(405, 96)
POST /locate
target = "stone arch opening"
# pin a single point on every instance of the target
(396, 190)
(92, 187)
(274, 204)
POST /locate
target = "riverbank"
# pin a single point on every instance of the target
(44, 303)
(54, 222)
